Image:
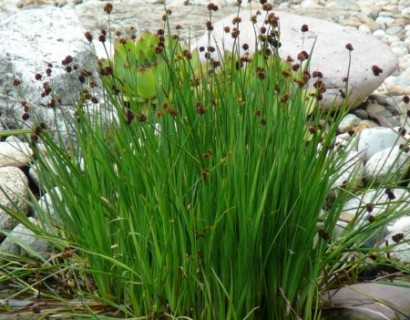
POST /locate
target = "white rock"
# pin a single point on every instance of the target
(22, 238)
(400, 51)
(405, 60)
(13, 195)
(379, 34)
(373, 140)
(390, 165)
(310, 4)
(30, 40)
(47, 207)
(384, 22)
(343, 138)
(366, 124)
(401, 225)
(355, 210)
(344, 4)
(380, 201)
(351, 172)
(365, 29)
(330, 55)
(400, 251)
(51, 163)
(14, 154)
(348, 123)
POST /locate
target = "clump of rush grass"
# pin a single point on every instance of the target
(202, 199)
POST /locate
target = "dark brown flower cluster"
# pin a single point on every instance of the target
(212, 7)
(272, 19)
(260, 72)
(390, 194)
(38, 130)
(302, 56)
(88, 35)
(200, 109)
(165, 17)
(377, 70)
(108, 8)
(69, 64)
(398, 237)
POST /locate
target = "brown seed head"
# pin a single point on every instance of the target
(404, 147)
(304, 28)
(377, 70)
(187, 54)
(369, 207)
(295, 67)
(173, 112)
(209, 26)
(323, 234)
(88, 35)
(208, 154)
(108, 8)
(284, 98)
(320, 86)
(129, 117)
(272, 19)
(142, 117)
(397, 237)
(212, 7)
(349, 47)
(235, 33)
(317, 74)
(390, 194)
(303, 55)
(67, 60)
(261, 74)
(267, 7)
(200, 109)
(402, 131)
(406, 99)
(236, 20)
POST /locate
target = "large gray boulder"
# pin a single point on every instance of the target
(370, 301)
(330, 55)
(14, 195)
(33, 41)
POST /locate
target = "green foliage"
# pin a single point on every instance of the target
(139, 70)
(206, 204)
(201, 197)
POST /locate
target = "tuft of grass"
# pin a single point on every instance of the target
(205, 203)
(203, 200)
